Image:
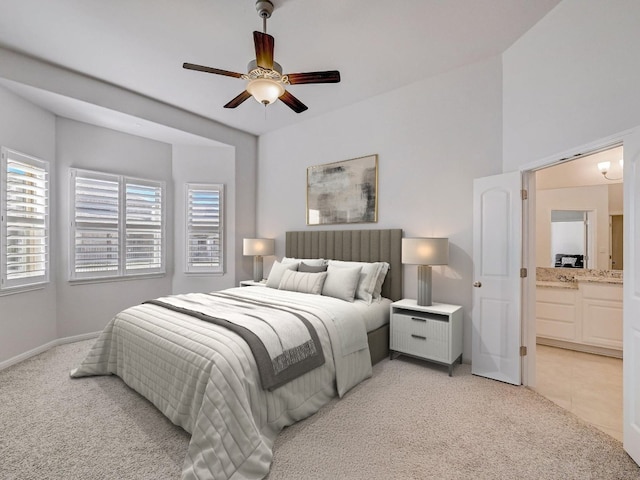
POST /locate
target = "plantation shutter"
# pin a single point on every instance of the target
(144, 226)
(25, 220)
(205, 228)
(96, 245)
(118, 226)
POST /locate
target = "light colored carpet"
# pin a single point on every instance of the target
(410, 421)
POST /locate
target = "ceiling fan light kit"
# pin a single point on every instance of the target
(265, 91)
(265, 81)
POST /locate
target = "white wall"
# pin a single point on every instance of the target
(28, 319)
(84, 308)
(432, 137)
(571, 79)
(204, 165)
(593, 198)
(34, 73)
(616, 206)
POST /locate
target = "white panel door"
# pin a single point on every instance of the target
(497, 256)
(631, 296)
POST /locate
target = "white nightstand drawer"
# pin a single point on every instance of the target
(430, 332)
(425, 335)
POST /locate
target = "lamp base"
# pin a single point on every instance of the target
(424, 285)
(257, 268)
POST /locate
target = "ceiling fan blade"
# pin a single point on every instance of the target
(264, 49)
(238, 100)
(331, 76)
(217, 71)
(293, 103)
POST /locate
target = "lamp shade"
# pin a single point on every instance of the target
(265, 90)
(425, 251)
(258, 246)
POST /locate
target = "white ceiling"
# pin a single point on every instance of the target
(377, 46)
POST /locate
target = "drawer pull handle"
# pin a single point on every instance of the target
(418, 336)
(419, 319)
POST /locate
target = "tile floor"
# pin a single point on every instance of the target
(589, 386)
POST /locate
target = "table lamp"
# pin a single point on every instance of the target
(425, 252)
(258, 247)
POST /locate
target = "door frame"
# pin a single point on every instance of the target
(528, 240)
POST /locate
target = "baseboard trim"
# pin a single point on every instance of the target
(47, 346)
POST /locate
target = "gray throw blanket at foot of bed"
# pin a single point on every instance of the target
(284, 343)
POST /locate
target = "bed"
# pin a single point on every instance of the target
(179, 353)
(357, 245)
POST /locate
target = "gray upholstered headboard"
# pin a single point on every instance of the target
(353, 245)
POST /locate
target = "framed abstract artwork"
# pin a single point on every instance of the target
(343, 192)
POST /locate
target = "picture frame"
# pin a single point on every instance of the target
(343, 192)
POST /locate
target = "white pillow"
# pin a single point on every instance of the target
(372, 276)
(303, 282)
(341, 282)
(382, 274)
(275, 275)
(316, 262)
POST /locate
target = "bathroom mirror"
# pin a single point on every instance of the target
(570, 239)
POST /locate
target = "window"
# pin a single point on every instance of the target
(204, 242)
(25, 221)
(117, 226)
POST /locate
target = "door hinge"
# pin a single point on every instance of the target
(523, 351)
(524, 194)
(523, 273)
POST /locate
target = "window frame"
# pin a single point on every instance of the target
(121, 272)
(190, 267)
(26, 282)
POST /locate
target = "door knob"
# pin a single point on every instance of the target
(477, 284)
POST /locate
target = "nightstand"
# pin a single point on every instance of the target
(431, 333)
(253, 283)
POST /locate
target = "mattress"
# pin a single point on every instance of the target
(204, 378)
(375, 314)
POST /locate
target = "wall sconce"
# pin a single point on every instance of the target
(605, 166)
(425, 252)
(258, 247)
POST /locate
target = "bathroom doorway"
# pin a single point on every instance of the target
(579, 292)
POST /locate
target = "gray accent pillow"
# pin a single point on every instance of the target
(275, 275)
(341, 282)
(305, 267)
(308, 261)
(304, 282)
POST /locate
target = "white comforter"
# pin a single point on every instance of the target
(203, 377)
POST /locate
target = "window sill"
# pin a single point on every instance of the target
(85, 281)
(205, 274)
(24, 289)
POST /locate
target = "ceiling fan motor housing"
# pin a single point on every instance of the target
(252, 65)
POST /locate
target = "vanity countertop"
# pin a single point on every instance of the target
(591, 279)
(550, 284)
(570, 277)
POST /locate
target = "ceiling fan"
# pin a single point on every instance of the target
(266, 83)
